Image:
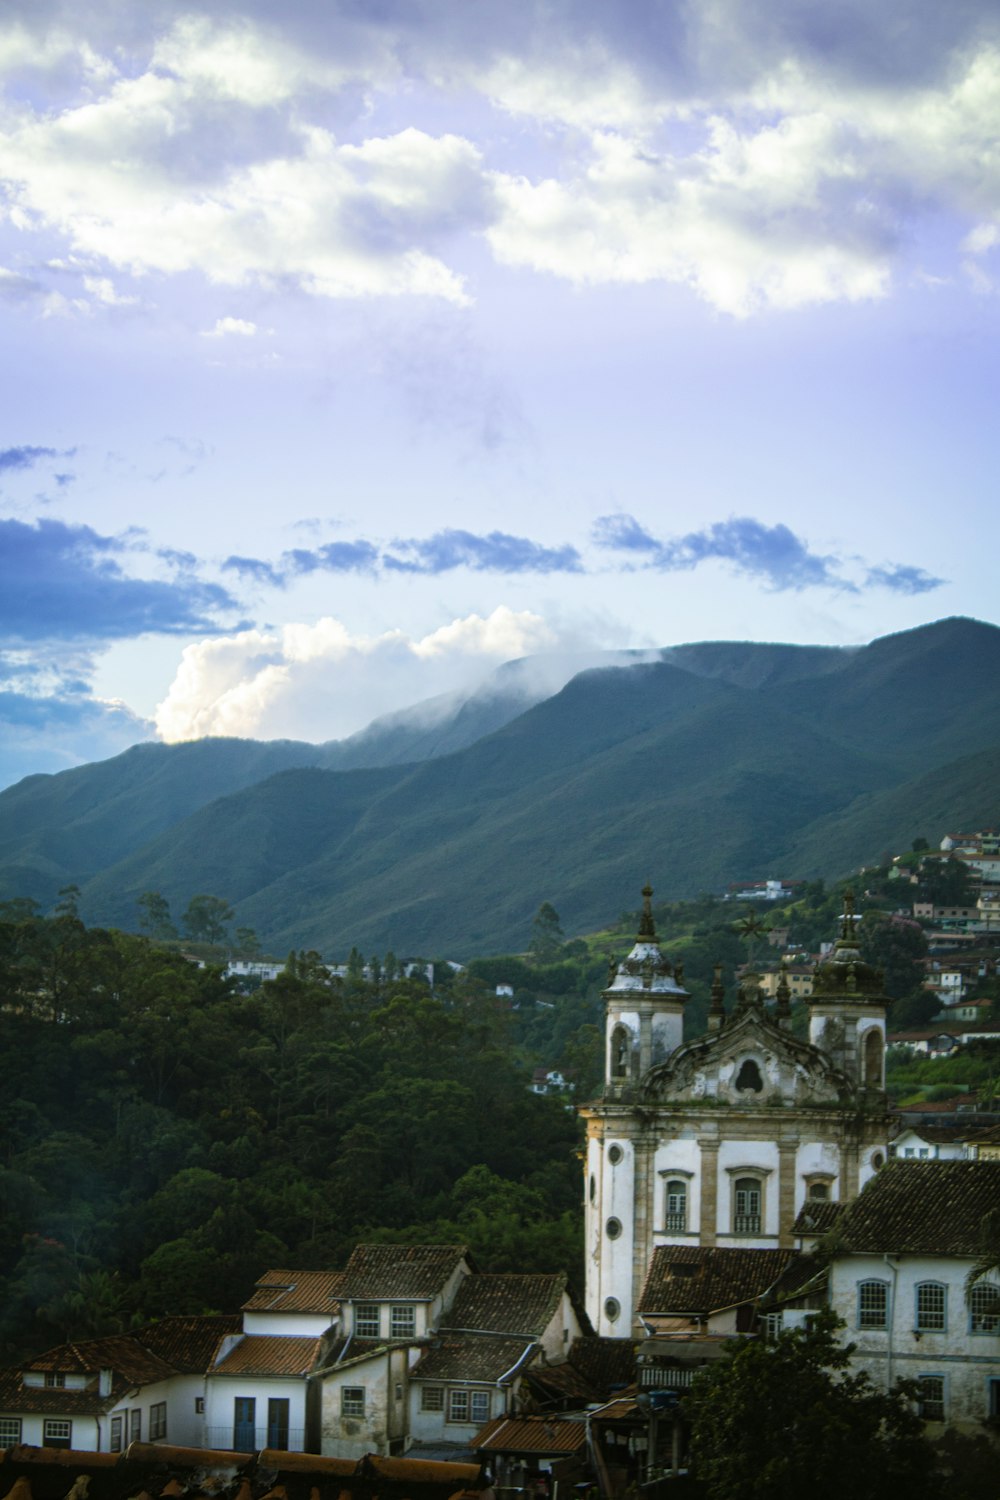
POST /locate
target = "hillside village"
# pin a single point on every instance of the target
(736, 1182)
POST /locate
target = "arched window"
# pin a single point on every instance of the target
(873, 1304)
(747, 1198)
(749, 1076)
(619, 1052)
(873, 1059)
(931, 1308)
(675, 1218)
(984, 1308)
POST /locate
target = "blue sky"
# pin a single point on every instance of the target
(350, 350)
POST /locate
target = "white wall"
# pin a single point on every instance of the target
(220, 1394)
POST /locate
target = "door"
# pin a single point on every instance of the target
(244, 1424)
(277, 1422)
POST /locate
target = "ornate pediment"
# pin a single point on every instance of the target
(750, 1062)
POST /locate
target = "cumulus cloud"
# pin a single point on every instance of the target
(320, 682)
(62, 581)
(225, 326)
(52, 733)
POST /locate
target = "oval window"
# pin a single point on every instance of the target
(878, 1161)
(612, 1308)
(615, 1154)
(613, 1228)
(593, 1188)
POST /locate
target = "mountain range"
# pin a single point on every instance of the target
(440, 829)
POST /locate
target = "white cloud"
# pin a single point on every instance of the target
(319, 682)
(224, 326)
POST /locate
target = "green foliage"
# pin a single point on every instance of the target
(947, 882)
(898, 949)
(154, 916)
(782, 1420)
(207, 918)
(547, 937)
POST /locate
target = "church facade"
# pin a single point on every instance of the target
(720, 1140)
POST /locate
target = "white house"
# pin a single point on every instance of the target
(899, 1283)
(99, 1395)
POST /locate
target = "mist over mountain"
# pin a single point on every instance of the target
(442, 828)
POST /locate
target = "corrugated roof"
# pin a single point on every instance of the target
(697, 1279)
(507, 1304)
(470, 1356)
(924, 1208)
(266, 1354)
(297, 1291)
(188, 1344)
(531, 1435)
(378, 1273)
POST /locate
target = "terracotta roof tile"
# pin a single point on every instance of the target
(297, 1291)
(122, 1353)
(264, 1354)
(381, 1272)
(188, 1344)
(16, 1397)
(507, 1304)
(470, 1356)
(924, 1208)
(606, 1364)
(531, 1435)
(694, 1279)
(817, 1216)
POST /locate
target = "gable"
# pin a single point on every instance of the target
(749, 1062)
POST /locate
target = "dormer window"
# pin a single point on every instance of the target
(55, 1380)
(367, 1320)
(402, 1322)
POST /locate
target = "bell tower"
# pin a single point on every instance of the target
(644, 1009)
(847, 1009)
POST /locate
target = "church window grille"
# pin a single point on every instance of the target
(931, 1307)
(984, 1308)
(746, 1206)
(675, 1220)
(873, 1304)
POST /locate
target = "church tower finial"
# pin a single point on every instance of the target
(647, 927)
(848, 926)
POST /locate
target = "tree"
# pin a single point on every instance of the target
(790, 1418)
(947, 882)
(546, 934)
(206, 919)
(897, 948)
(247, 942)
(154, 916)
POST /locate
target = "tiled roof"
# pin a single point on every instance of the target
(188, 1344)
(817, 1216)
(924, 1207)
(122, 1353)
(264, 1354)
(607, 1365)
(531, 1435)
(297, 1291)
(697, 1279)
(16, 1398)
(507, 1304)
(561, 1383)
(381, 1272)
(471, 1356)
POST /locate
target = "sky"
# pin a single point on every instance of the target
(353, 347)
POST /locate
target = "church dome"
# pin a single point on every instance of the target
(646, 969)
(844, 973)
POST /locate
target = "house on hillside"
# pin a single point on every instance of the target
(99, 1395)
(899, 1281)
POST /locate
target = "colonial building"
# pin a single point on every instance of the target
(719, 1141)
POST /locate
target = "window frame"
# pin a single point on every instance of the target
(432, 1398)
(922, 1401)
(482, 1400)
(675, 1219)
(924, 1316)
(863, 1314)
(53, 1439)
(157, 1421)
(116, 1434)
(352, 1400)
(983, 1323)
(12, 1437)
(459, 1397)
(746, 1223)
(55, 1380)
(367, 1320)
(402, 1320)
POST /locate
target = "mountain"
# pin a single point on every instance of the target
(691, 767)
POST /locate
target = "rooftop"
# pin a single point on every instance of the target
(471, 1356)
(416, 1272)
(260, 1354)
(531, 1435)
(697, 1280)
(297, 1291)
(507, 1303)
(924, 1208)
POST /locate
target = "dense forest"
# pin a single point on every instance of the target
(168, 1132)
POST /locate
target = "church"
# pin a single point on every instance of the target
(720, 1141)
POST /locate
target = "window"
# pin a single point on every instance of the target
(402, 1322)
(873, 1059)
(432, 1398)
(479, 1407)
(984, 1308)
(613, 1228)
(819, 1190)
(199, 1406)
(873, 1304)
(749, 1077)
(931, 1304)
(612, 1308)
(10, 1432)
(746, 1205)
(56, 1433)
(615, 1154)
(116, 1434)
(675, 1219)
(352, 1401)
(458, 1406)
(135, 1426)
(772, 1326)
(367, 1320)
(931, 1399)
(55, 1380)
(277, 1423)
(157, 1421)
